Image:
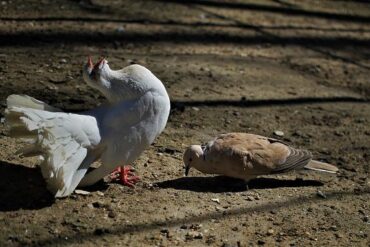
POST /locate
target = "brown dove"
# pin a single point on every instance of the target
(246, 156)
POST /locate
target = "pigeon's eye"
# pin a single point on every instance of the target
(191, 159)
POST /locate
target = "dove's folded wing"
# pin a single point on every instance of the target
(257, 155)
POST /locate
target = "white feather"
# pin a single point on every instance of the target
(62, 141)
(29, 102)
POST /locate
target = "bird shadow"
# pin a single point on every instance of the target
(22, 188)
(221, 184)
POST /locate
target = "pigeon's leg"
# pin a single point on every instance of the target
(125, 175)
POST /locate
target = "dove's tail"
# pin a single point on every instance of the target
(61, 140)
(321, 166)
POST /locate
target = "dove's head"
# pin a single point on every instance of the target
(92, 74)
(193, 157)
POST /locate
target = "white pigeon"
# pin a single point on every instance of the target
(116, 133)
(246, 156)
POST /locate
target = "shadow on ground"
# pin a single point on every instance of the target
(274, 9)
(22, 188)
(220, 184)
(180, 105)
(79, 238)
(37, 38)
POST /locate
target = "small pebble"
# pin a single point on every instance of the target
(196, 226)
(365, 218)
(249, 198)
(99, 193)
(202, 16)
(278, 133)
(193, 235)
(211, 239)
(261, 242)
(319, 193)
(270, 232)
(82, 192)
(333, 228)
(216, 200)
(112, 214)
(120, 29)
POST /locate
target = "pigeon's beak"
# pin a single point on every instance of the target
(90, 64)
(187, 168)
(99, 63)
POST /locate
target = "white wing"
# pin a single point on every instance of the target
(65, 141)
(29, 102)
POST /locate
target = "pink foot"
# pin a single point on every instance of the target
(125, 175)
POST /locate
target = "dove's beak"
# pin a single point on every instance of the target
(187, 168)
(90, 63)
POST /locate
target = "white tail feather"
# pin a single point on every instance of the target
(61, 139)
(16, 100)
(321, 167)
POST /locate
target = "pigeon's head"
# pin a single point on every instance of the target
(192, 158)
(92, 73)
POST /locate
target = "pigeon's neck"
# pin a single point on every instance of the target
(116, 86)
(129, 83)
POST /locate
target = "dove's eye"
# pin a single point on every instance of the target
(191, 159)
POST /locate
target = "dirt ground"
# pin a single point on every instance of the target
(298, 66)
